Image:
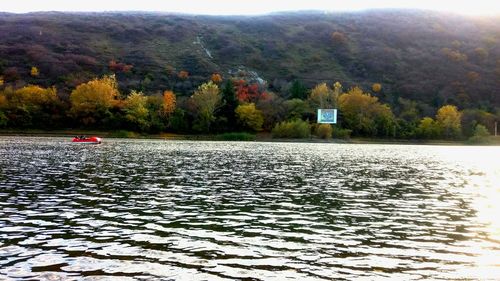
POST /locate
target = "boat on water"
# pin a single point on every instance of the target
(89, 140)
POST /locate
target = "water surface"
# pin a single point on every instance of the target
(179, 210)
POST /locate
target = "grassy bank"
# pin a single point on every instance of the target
(235, 136)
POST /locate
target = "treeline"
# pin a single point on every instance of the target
(232, 105)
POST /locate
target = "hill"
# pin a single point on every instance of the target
(430, 57)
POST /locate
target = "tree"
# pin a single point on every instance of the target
(136, 112)
(248, 93)
(323, 97)
(472, 117)
(454, 55)
(448, 119)
(298, 91)
(205, 101)
(297, 109)
(229, 104)
(1, 81)
(119, 66)
(34, 71)
(183, 74)
(31, 106)
(481, 53)
(376, 87)
(250, 117)
(273, 109)
(157, 118)
(339, 37)
(91, 101)
(408, 110)
(427, 128)
(169, 102)
(216, 78)
(365, 115)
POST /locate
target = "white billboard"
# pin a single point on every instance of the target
(327, 116)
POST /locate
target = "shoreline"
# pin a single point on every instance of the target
(260, 137)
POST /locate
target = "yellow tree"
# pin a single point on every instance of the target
(322, 97)
(205, 101)
(376, 87)
(31, 106)
(249, 116)
(364, 114)
(448, 119)
(1, 81)
(34, 95)
(34, 71)
(92, 100)
(169, 102)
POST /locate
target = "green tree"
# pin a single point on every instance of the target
(136, 112)
(448, 119)
(481, 135)
(297, 109)
(158, 117)
(250, 117)
(205, 101)
(298, 91)
(473, 117)
(427, 128)
(229, 104)
(179, 121)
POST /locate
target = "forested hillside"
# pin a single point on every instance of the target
(426, 56)
(419, 59)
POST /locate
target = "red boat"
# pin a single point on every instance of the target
(91, 140)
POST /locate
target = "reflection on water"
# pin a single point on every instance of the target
(135, 210)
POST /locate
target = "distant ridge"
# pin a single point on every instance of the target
(431, 57)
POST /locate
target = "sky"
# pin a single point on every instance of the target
(251, 7)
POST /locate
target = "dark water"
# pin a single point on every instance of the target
(175, 210)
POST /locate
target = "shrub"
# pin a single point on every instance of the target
(123, 134)
(3, 120)
(236, 137)
(340, 133)
(324, 131)
(481, 135)
(292, 129)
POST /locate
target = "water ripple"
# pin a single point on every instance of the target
(179, 210)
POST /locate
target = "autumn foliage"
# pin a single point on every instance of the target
(119, 66)
(91, 99)
(34, 71)
(376, 87)
(169, 101)
(249, 93)
(216, 78)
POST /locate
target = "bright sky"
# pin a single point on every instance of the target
(249, 7)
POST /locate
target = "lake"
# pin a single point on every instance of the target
(185, 210)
